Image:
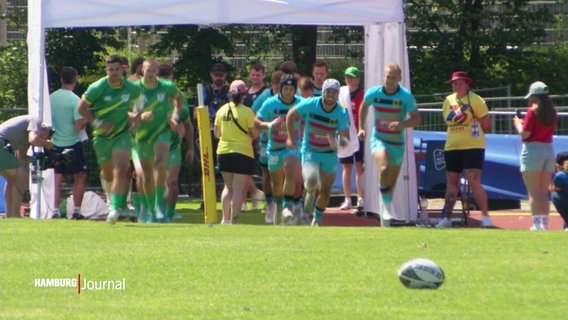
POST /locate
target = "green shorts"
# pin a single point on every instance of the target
(104, 146)
(145, 150)
(7, 160)
(175, 156)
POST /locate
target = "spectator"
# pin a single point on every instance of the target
(351, 97)
(391, 103)
(235, 128)
(467, 118)
(537, 154)
(319, 72)
(560, 187)
(67, 123)
(16, 136)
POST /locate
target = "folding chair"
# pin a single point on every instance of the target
(431, 174)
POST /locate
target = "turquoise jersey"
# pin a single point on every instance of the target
(274, 108)
(388, 108)
(318, 124)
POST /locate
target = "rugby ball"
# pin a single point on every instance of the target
(421, 273)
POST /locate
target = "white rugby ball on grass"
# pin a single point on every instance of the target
(421, 273)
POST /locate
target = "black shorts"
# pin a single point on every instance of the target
(236, 163)
(357, 156)
(78, 163)
(458, 160)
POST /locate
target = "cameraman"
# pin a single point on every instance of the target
(67, 123)
(16, 135)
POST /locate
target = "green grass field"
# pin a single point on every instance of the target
(188, 270)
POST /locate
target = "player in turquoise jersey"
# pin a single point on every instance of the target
(175, 159)
(392, 106)
(152, 140)
(114, 100)
(324, 120)
(263, 144)
(283, 163)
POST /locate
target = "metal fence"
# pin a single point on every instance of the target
(502, 110)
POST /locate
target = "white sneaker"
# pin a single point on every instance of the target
(444, 223)
(256, 198)
(316, 223)
(287, 216)
(112, 217)
(486, 222)
(225, 221)
(346, 205)
(360, 203)
(244, 207)
(269, 215)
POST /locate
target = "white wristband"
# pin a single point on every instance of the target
(96, 123)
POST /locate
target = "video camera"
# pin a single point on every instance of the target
(53, 158)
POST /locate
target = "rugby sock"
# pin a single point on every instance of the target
(114, 201)
(160, 192)
(288, 200)
(136, 202)
(269, 198)
(278, 212)
(170, 210)
(318, 214)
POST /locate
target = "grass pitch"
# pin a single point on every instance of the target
(188, 270)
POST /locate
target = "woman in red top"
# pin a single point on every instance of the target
(537, 155)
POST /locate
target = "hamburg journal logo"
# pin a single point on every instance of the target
(82, 283)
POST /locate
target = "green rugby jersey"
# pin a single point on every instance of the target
(112, 104)
(156, 100)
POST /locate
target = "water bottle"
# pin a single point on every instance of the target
(423, 214)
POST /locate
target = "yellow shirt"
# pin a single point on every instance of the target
(464, 130)
(233, 139)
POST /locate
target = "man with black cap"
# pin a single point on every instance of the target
(325, 120)
(215, 95)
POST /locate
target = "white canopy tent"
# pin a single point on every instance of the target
(384, 42)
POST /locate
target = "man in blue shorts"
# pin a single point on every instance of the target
(392, 103)
(325, 120)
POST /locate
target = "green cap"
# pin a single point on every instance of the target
(353, 72)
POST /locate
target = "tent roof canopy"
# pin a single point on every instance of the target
(100, 13)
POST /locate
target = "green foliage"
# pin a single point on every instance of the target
(195, 48)
(472, 35)
(254, 271)
(83, 49)
(14, 80)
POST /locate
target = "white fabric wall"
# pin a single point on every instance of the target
(386, 43)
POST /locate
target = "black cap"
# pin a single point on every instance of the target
(218, 68)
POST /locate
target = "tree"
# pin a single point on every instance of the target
(481, 37)
(83, 49)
